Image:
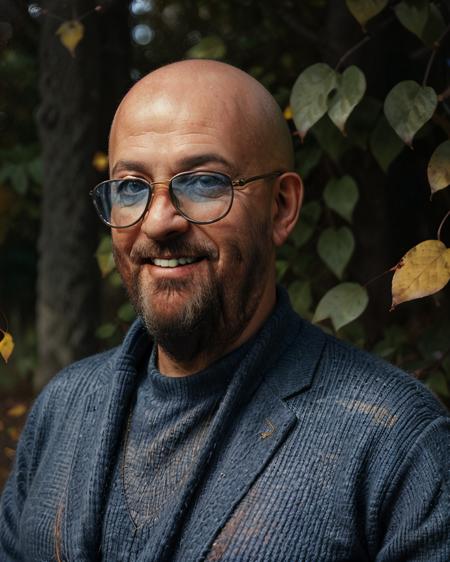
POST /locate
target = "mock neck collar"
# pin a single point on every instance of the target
(214, 379)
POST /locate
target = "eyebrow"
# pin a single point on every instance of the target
(185, 164)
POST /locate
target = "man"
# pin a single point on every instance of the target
(224, 427)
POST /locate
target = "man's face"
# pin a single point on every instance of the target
(209, 301)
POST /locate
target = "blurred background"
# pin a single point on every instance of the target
(64, 66)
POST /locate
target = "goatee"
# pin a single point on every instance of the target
(214, 310)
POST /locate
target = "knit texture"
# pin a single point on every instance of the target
(167, 428)
(315, 452)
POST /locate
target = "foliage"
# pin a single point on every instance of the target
(359, 82)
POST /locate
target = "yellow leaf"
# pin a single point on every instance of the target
(71, 33)
(100, 161)
(439, 167)
(9, 453)
(6, 345)
(422, 271)
(288, 113)
(17, 411)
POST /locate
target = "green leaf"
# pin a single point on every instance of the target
(335, 247)
(309, 96)
(210, 47)
(342, 304)
(408, 106)
(15, 174)
(105, 331)
(434, 27)
(394, 339)
(104, 256)
(351, 88)
(306, 224)
(115, 280)
(341, 195)
(438, 383)
(19, 179)
(330, 139)
(364, 10)
(126, 313)
(385, 144)
(439, 167)
(34, 168)
(413, 14)
(301, 298)
(307, 158)
(421, 18)
(362, 121)
(281, 266)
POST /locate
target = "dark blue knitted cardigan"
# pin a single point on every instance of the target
(317, 452)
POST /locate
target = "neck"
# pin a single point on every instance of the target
(217, 344)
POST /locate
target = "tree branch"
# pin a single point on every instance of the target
(364, 40)
(441, 225)
(436, 47)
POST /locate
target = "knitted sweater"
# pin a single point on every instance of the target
(317, 452)
(167, 428)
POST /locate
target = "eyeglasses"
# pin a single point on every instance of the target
(201, 197)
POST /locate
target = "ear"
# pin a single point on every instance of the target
(288, 197)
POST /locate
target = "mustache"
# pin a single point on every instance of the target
(144, 251)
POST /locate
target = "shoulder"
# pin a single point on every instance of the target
(360, 376)
(347, 384)
(77, 381)
(80, 378)
(66, 393)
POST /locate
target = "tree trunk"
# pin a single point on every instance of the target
(72, 126)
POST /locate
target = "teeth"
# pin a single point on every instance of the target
(172, 262)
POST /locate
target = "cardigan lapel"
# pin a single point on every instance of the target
(257, 431)
(102, 424)
(256, 434)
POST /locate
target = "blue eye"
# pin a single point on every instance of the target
(201, 186)
(130, 192)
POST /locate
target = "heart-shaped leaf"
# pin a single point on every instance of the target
(330, 139)
(439, 167)
(104, 256)
(350, 91)
(309, 96)
(70, 33)
(408, 106)
(422, 271)
(306, 224)
(385, 144)
(413, 14)
(342, 304)
(6, 345)
(341, 195)
(364, 10)
(335, 247)
(300, 295)
(209, 47)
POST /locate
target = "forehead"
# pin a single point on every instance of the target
(179, 121)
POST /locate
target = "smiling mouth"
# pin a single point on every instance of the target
(174, 262)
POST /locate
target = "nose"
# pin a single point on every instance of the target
(162, 220)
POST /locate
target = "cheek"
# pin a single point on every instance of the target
(123, 240)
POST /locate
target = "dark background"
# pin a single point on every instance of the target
(59, 296)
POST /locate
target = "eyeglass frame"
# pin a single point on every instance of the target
(237, 184)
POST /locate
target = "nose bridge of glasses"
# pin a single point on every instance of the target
(162, 182)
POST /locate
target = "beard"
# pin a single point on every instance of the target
(214, 310)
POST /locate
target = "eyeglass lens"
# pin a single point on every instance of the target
(200, 196)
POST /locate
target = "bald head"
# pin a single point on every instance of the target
(212, 90)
